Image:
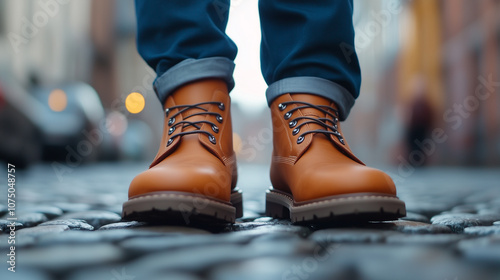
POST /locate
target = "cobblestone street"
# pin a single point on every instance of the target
(69, 227)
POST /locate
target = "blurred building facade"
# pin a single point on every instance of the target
(442, 55)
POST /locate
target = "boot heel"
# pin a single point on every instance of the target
(237, 202)
(277, 211)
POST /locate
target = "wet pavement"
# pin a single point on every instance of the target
(68, 227)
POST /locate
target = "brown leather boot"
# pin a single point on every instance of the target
(315, 176)
(192, 178)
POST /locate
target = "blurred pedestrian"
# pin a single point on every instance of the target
(420, 121)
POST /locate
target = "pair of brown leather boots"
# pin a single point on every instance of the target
(315, 176)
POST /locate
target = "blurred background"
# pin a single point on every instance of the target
(74, 90)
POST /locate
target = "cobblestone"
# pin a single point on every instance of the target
(458, 221)
(71, 230)
(72, 207)
(122, 225)
(25, 274)
(21, 241)
(427, 209)
(95, 218)
(30, 219)
(49, 211)
(410, 216)
(123, 273)
(61, 258)
(71, 223)
(350, 235)
(263, 268)
(5, 224)
(424, 239)
(483, 230)
(419, 228)
(70, 237)
(484, 249)
(44, 230)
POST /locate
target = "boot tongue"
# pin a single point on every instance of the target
(190, 95)
(312, 112)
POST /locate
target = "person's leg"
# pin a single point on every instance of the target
(309, 63)
(185, 41)
(192, 178)
(309, 46)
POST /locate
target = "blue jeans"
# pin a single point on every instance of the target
(307, 46)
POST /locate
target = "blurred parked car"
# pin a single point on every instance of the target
(51, 123)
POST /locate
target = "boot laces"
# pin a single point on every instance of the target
(329, 123)
(193, 124)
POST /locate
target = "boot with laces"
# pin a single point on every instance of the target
(315, 176)
(192, 178)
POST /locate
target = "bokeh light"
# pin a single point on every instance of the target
(58, 100)
(237, 143)
(135, 102)
(116, 123)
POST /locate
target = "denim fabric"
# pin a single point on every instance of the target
(313, 85)
(187, 39)
(190, 70)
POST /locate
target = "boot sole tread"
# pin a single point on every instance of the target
(352, 208)
(182, 208)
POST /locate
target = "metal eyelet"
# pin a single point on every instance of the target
(219, 118)
(335, 126)
(171, 121)
(215, 128)
(281, 106)
(337, 133)
(341, 140)
(170, 141)
(222, 107)
(296, 131)
(288, 115)
(292, 124)
(167, 111)
(300, 139)
(171, 130)
(211, 138)
(336, 120)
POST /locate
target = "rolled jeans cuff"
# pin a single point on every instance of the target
(190, 70)
(313, 85)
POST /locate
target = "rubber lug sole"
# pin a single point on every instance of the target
(182, 208)
(353, 207)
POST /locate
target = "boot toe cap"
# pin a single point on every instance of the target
(204, 180)
(326, 182)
